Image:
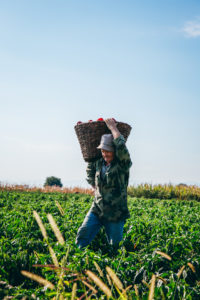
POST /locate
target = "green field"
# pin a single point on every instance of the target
(168, 226)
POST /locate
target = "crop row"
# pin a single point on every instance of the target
(167, 191)
(149, 191)
(155, 227)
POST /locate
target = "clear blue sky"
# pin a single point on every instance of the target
(65, 61)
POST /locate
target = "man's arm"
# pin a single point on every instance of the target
(91, 170)
(121, 151)
(111, 124)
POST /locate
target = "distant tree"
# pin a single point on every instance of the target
(53, 181)
(182, 185)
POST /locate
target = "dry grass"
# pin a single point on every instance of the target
(55, 229)
(98, 268)
(109, 280)
(40, 224)
(38, 279)
(136, 291)
(47, 189)
(152, 287)
(89, 286)
(145, 283)
(114, 278)
(74, 289)
(99, 283)
(164, 255)
(180, 271)
(191, 267)
(162, 279)
(60, 208)
(53, 256)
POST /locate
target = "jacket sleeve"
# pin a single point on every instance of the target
(91, 170)
(122, 153)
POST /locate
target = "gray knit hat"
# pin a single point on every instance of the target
(106, 143)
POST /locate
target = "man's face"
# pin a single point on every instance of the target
(107, 155)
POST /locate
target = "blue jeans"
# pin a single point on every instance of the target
(91, 226)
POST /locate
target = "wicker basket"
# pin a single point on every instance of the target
(89, 136)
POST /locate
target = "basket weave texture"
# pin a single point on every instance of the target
(89, 136)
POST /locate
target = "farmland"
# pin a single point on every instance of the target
(159, 255)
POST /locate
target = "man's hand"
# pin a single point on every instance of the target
(112, 125)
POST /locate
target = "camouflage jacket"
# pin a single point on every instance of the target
(110, 201)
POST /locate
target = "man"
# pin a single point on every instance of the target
(109, 177)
